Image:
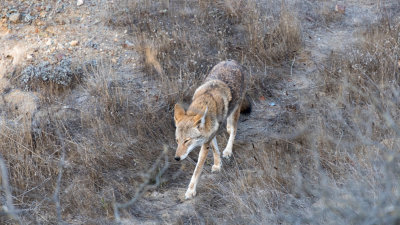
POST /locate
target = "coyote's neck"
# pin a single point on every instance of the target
(200, 104)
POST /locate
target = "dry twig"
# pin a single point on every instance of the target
(146, 184)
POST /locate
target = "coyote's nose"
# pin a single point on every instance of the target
(177, 158)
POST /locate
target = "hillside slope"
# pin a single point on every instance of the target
(87, 103)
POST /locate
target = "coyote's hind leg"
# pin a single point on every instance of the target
(231, 127)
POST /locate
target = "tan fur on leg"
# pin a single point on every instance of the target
(231, 127)
(191, 191)
(217, 156)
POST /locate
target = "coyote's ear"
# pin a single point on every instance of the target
(200, 120)
(179, 112)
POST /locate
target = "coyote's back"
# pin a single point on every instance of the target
(231, 73)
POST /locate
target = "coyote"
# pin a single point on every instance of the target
(218, 99)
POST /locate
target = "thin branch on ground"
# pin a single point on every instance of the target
(146, 184)
(291, 67)
(56, 196)
(9, 207)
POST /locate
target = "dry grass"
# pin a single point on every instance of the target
(341, 166)
(192, 36)
(105, 135)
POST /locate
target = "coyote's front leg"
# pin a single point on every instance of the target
(217, 156)
(191, 191)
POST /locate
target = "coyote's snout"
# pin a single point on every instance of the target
(217, 100)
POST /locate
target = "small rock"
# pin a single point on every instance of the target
(60, 46)
(29, 57)
(114, 60)
(15, 17)
(28, 18)
(48, 8)
(79, 2)
(49, 42)
(42, 14)
(74, 43)
(39, 23)
(340, 9)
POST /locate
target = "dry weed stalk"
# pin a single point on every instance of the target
(9, 206)
(145, 186)
(56, 195)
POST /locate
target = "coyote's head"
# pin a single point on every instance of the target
(190, 131)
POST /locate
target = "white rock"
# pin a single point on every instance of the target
(74, 43)
(79, 2)
(15, 17)
(49, 42)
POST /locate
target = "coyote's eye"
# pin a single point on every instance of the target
(186, 141)
(177, 141)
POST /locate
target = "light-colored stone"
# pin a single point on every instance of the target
(74, 43)
(42, 14)
(79, 2)
(15, 17)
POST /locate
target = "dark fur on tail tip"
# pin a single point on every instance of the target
(245, 108)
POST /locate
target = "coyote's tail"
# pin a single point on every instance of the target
(245, 108)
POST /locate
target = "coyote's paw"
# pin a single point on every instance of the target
(190, 193)
(227, 153)
(216, 168)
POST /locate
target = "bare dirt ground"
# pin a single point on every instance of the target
(64, 31)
